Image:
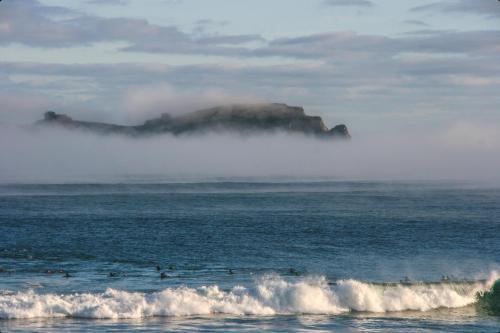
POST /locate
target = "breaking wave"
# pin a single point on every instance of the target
(269, 295)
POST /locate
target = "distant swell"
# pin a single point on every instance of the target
(268, 296)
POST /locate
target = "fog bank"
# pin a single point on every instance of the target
(462, 151)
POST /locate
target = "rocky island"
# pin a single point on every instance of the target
(241, 118)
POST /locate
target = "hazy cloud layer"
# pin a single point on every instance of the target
(63, 156)
(28, 22)
(488, 8)
(416, 22)
(31, 23)
(349, 3)
(108, 2)
(335, 45)
(146, 102)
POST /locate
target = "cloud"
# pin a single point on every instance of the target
(416, 22)
(31, 23)
(16, 107)
(487, 8)
(339, 44)
(349, 3)
(108, 2)
(471, 135)
(53, 155)
(149, 101)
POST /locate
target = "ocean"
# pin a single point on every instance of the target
(249, 256)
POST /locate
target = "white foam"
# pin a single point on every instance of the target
(269, 296)
(368, 297)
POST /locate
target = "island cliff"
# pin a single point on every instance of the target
(244, 118)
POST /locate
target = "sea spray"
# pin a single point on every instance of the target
(360, 296)
(269, 295)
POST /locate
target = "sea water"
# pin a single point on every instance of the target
(249, 256)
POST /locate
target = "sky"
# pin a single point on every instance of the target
(376, 65)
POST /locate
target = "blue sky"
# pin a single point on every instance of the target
(375, 65)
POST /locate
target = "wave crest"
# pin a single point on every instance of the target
(270, 295)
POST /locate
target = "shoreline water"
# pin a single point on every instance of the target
(312, 256)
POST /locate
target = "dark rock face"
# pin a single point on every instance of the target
(340, 131)
(52, 118)
(244, 119)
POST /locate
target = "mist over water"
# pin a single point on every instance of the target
(460, 152)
